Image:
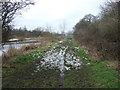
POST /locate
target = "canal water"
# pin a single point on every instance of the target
(17, 45)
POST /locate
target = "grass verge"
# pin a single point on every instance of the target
(93, 74)
(20, 72)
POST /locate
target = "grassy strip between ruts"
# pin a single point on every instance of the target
(93, 74)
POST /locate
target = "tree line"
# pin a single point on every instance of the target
(25, 33)
(101, 31)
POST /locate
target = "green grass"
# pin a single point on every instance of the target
(23, 75)
(26, 78)
(25, 59)
(103, 76)
(93, 75)
(30, 57)
(81, 51)
(33, 56)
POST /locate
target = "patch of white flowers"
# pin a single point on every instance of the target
(86, 51)
(60, 41)
(60, 57)
(77, 48)
(36, 55)
(88, 63)
(85, 58)
(73, 61)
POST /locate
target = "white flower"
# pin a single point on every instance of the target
(88, 63)
(35, 71)
(74, 57)
(67, 68)
(38, 56)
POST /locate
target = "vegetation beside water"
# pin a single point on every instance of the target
(21, 73)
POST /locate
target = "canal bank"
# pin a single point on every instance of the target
(62, 65)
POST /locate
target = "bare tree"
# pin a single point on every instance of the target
(48, 28)
(63, 27)
(8, 10)
(0, 30)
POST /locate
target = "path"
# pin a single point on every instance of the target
(62, 65)
(62, 57)
(48, 70)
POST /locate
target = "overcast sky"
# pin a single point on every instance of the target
(55, 12)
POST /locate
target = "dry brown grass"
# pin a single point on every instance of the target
(44, 41)
(49, 38)
(101, 50)
(12, 52)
